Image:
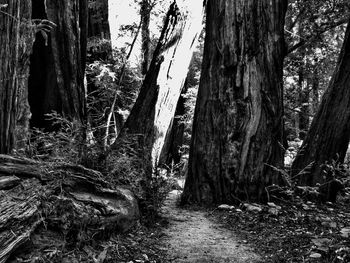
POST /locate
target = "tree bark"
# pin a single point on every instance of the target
(303, 103)
(329, 133)
(155, 106)
(174, 138)
(315, 90)
(238, 127)
(16, 40)
(54, 205)
(145, 13)
(56, 80)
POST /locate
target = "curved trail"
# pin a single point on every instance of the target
(191, 237)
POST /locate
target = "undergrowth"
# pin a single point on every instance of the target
(131, 166)
(126, 165)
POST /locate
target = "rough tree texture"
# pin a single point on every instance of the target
(173, 141)
(16, 40)
(160, 91)
(56, 80)
(46, 206)
(329, 134)
(237, 129)
(145, 12)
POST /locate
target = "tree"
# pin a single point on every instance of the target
(329, 133)
(311, 58)
(174, 138)
(155, 106)
(98, 19)
(176, 143)
(56, 81)
(145, 12)
(16, 40)
(237, 134)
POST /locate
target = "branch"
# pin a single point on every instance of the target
(327, 27)
(111, 111)
(302, 11)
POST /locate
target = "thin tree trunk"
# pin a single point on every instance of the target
(315, 90)
(145, 33)
(238, 124)
(16, 41)
(329, 134)
(303, 104)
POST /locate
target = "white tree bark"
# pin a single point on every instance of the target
(174, 70)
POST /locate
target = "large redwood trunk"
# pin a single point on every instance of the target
(238, 126)
(16, 40)
(329, 134)
(56, 80)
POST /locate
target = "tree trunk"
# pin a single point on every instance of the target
(98, 19)
(56, 81)
(98, 30)
(238, 126)
(160, 91)
(145, 34)
(303, 104)
(329, 134)
(174, 138)
(54, 206)
(16, 40)
(315, 90)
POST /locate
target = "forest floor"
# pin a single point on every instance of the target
(281, 232)
(292, 231)
(285, 231)
(192, 237)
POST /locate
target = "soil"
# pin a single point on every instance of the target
(299, 231)
(192, 237)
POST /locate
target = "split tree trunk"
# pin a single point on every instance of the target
(170, 153)
(16, 41)
(56, 80)
(238, 126)
(155, 106)
(329, 134)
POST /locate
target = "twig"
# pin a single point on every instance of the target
(119, 83)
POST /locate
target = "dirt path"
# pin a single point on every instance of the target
(191, 237)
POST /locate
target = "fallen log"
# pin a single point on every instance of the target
(45, 205)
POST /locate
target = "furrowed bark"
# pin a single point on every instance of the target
(16, 40)
(56, 80)
(238, 127)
